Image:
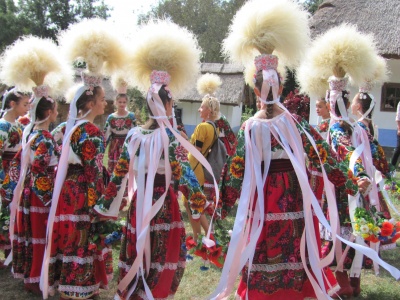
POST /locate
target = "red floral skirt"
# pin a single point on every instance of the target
(277, 271)
(29, 238)
(77, 269)
(114, 151)
(167, 235)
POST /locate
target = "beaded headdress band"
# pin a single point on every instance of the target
(268, 63)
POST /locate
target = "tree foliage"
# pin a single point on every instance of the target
(44, 18)
(312, 5)
(207, 19)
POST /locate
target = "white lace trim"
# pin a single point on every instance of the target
(316, 173)
(388, 247)
(77, 259)
(78, 289)
(276, 267)
(34, 209)
(159, 227)
(168, 266)
(209, 185)
(72, 218)
(284, 216)
(166, 226)
(53, 259)
(34, 241)
(158, 266)
(143, 295)
(346, 232)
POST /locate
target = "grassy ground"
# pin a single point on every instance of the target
(197, 284)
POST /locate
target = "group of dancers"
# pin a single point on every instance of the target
(299, 190)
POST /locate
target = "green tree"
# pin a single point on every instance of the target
(207, 19)
(45, 18)
(11, 24)
(312, 5)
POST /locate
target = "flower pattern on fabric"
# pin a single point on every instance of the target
(33, 208)
(181, 171)
(115, 131)
(226, 135)
(10, 141)
(323, 127)
(230, 186)
(77, 268)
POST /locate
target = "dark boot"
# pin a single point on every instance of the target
(355, 284)
(346, 291)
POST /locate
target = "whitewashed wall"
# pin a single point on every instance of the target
(384, 120)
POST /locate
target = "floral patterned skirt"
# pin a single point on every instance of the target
(75, 267)
(29, 240)
(167, 235)
(4, 235)
(277, 271)
(114, 151)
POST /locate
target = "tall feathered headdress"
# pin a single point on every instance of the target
(35, 63)
(165, 54)
(341, 51)
(268, 29)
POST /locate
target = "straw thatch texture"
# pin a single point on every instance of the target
(379, 17)
(231, 91)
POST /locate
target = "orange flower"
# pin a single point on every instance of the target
(41, 149)
(198, 201)
(176, 170)
(387, 228)
(237, 167)
(121, 168)
(43, 184)
(88, 150)
(372, 238)
(91, 197)
(76, 135)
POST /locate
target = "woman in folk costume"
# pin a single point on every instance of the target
(343, 50)
(14, 104)
(72, 263)
(118, 123)
(29, 183)
(268, 172)
(152, 260)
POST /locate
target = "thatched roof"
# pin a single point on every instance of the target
(231, 91)
(379, 17)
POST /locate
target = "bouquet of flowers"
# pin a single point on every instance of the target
(215, 254)
(298, 104)
(372, 227)
(106, 233)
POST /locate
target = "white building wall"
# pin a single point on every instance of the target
(383, 119)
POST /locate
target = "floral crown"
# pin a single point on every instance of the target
(337, 84)
(266, 62)
(42, 91)
(160, 77)
(91, 81)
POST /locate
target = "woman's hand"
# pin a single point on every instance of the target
(184, 135)
(364, 185)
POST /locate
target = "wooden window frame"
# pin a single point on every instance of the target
(385, 101)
